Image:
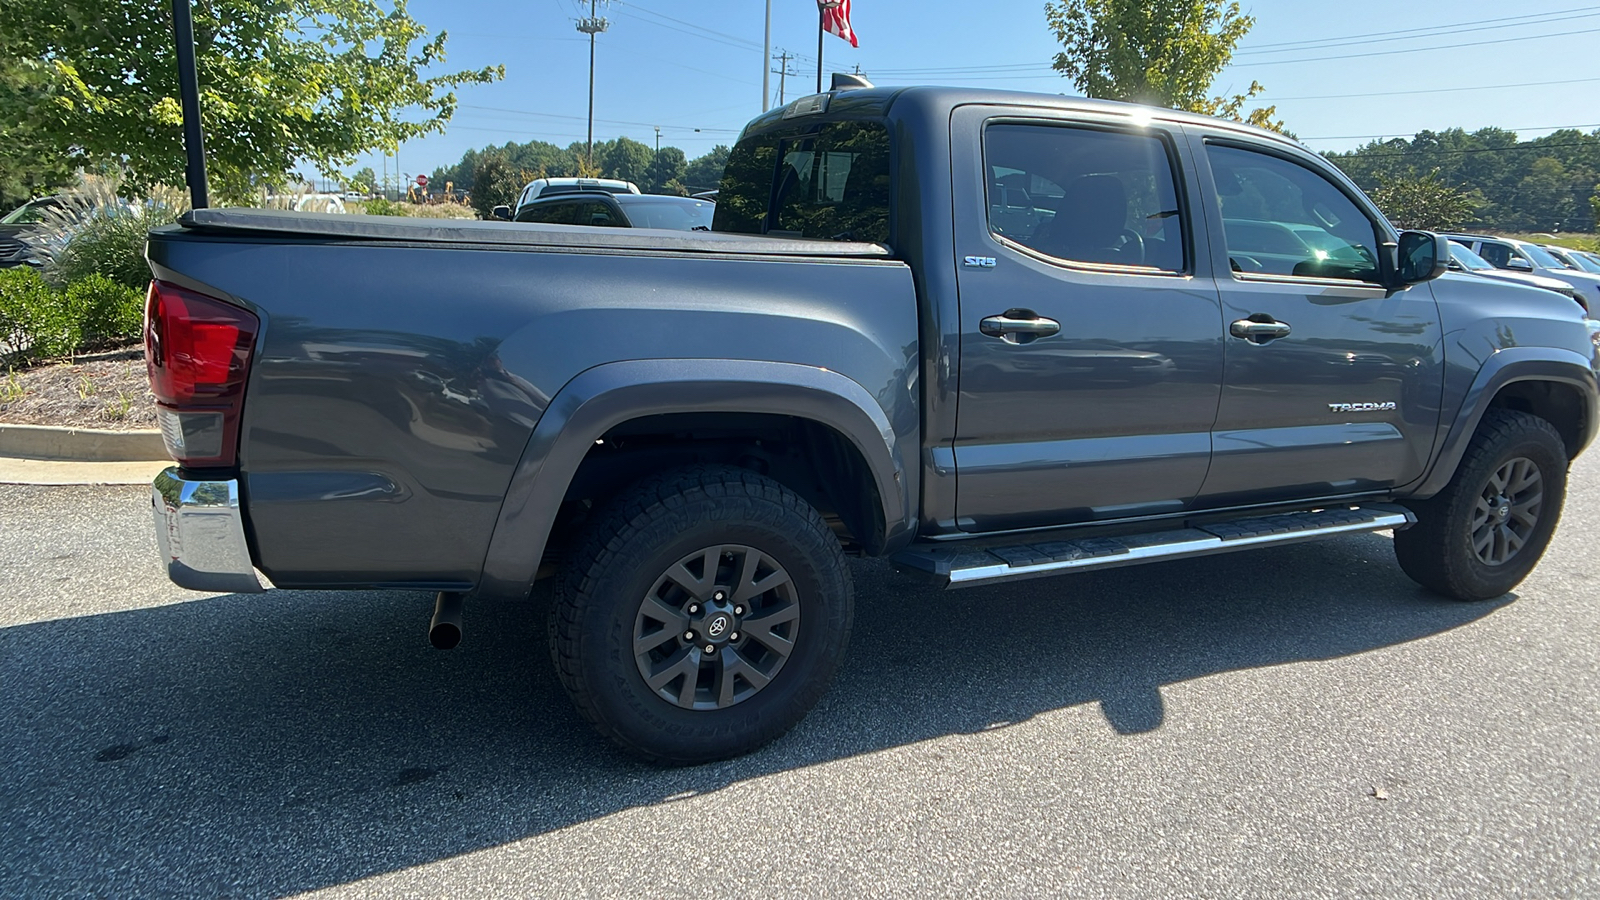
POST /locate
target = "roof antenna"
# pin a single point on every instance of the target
(189, 90)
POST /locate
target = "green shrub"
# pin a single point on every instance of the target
(111, 244)
(378, 206)
(106, 312)
(36, 322)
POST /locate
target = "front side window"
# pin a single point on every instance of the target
(1498, 255)
(1085, 195)
(571, 212)
(830, 183)
(1282, 218)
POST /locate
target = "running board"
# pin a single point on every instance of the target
(966, 566)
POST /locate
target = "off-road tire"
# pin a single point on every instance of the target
(1438, 553)
(623, 553)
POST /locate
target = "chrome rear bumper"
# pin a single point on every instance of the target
(200, 528)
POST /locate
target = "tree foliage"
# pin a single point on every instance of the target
(1158, 52)
(496, 182)
(282, 82)
(666, 172)
(1427, 202)
(1546, 184)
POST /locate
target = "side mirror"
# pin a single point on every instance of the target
(1421, 256)
(1518, 264)
(501, 212)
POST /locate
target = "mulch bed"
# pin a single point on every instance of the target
(98, 390)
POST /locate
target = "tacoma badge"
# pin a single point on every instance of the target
(1361, 407)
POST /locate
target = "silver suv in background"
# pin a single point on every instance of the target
(1464, 260)
(1575, 259)
(1521, 256)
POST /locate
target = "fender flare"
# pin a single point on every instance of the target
(600, 398)
(1503, 368)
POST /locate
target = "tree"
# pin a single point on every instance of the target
(495, 182)
(705, 172)
(624, 158)
(1426, 203)
(282, 82)
(364, 180)
(1158, 52)
(666, 172)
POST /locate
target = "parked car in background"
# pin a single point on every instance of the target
(1464, 260)
(620, 211)
(1522, 256)
(1574, 259)
(13, 252)
(547, 187)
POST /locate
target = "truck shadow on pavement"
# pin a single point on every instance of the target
(266, 745)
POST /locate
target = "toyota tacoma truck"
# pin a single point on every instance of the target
(988, 336)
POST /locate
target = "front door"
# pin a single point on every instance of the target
(1091, 336)
(1333, 382)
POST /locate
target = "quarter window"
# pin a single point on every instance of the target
(1281, 218)
(1085, 195)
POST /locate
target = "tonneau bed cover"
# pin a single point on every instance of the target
(338, 227)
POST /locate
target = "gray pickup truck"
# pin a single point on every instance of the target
(990, 336)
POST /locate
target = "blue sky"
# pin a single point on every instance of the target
(1338, 72)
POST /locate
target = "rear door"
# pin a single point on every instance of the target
(1091, 335)
(1333, 382)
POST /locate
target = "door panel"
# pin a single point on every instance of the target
(1347, 401)
(1098, 403)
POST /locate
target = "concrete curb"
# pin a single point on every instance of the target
(57, 472)
(50, 442)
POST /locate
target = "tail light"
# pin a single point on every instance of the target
(197, 351)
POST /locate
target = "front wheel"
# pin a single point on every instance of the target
(701, 615)
(1483, 534)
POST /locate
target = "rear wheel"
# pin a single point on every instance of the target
(701, 615)
(1483, 534)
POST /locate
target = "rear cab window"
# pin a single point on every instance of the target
(829, 181)
(1086, 195)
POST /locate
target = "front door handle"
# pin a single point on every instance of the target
(1019, 326)
(1259, 328)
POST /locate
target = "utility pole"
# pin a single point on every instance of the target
(592, 26)
(783, 73)
(658, 138)
(766, 64)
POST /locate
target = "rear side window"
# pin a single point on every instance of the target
(830, 183)
(1085, 195)
(1282, 218)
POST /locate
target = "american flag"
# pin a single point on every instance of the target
(836, 19)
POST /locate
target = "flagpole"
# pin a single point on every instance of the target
(822, 32)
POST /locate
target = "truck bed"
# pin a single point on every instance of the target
(305, 227)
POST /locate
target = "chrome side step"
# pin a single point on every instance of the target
(959, 566)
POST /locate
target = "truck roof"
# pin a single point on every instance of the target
(939, 101)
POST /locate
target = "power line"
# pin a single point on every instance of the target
(521, 112)
(1361, 154)
(1483, 87)
(1510, 40)
(1408, 34)
(1345, 137)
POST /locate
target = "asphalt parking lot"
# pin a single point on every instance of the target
(1298, 722)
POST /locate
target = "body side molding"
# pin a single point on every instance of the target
(602, 397)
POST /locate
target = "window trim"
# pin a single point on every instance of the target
(1161, 132)
(1382, 230)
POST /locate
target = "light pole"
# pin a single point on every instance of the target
(766, 63)
(592, 26)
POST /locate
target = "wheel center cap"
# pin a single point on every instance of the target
(718, 626)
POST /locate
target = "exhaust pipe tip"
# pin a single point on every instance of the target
(444, 632)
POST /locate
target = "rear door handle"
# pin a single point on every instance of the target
(1257, 331)
(1019, 326)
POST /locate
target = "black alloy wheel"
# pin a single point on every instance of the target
(716, 627)
(701, 614)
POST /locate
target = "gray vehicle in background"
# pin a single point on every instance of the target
(1575, 259)
(603, 208)
(1464, 260)
(1522, 256)
(989, 336)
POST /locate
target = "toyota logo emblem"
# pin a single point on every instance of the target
(717, 626)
